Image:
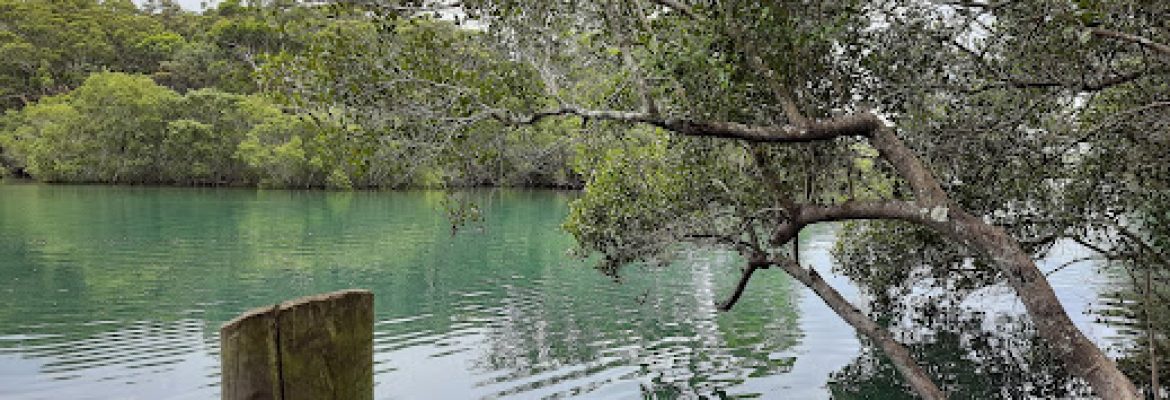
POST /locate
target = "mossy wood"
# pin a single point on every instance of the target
(317, 347)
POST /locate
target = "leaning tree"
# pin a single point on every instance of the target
(984, 130)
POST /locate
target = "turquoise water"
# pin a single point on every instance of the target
(119, 292)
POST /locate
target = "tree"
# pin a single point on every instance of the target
(355, 70)
(204, 133)
(105, 131)
(197, 65)
(283, 152)
(51, 47)
(121, 128)
(738, 123)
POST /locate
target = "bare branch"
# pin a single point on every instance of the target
(1007, 81)
(648, 105)
(635, 70)
(804, 215)
(779, 90)
(744, 278)
(1133, 237)
(1113, 120)
(915, 376)
(1070, 263)
(978, 57)
(989, 6)
(1139, 40)
(909, 167)
(1095, 248)
(741, 246)
(1016, 83)
(863, 124)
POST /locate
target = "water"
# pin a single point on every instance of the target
(119, 292)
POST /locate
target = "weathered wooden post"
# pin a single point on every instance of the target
(318, 347)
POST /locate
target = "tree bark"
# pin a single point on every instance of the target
(1053, 324)
(899, 355)
(931, 208)
(1155, 389)
(1082, 356)
(1139, 40)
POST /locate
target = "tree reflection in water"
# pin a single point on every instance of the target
(969, 362)
(657, 327)
(1141, 310)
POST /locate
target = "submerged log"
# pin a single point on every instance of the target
(317, 347)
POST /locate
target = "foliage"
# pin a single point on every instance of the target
(971, 362)
(206, 136)
(410, 95)
(1027, 113)
(50, 47)
(108, 129)
(120, 128)
(1030, 117)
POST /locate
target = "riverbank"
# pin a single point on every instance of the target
(27, 180)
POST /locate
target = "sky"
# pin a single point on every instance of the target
(192, 5)
(195, 5)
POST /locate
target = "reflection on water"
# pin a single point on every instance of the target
(116, 292)
(981, 345)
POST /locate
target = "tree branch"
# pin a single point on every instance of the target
(804, 215)
(1125, 37)
(1133, 237)
(744, 278)
(1112, 120)
(638, 76)
(903, 361)
(739, 245)
(1095, 248)
(1104, 83)
(648, 105)
(915, 376)
(990, 6)
(863, 124)
(779, 90)
(1070, 263)
(1006, 80)
(909, 167)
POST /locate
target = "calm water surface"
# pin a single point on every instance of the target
(118, 293)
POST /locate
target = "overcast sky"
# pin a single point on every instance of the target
(196, 5)
(193, 5)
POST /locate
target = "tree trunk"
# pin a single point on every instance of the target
(930, 207)
(1155, 390)
(1082, 356)
(899, 355)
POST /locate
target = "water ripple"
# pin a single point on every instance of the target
(120, 292)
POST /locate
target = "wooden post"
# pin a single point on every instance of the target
(317, 347)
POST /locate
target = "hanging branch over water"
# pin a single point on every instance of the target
(854, 125)
(930, 208)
